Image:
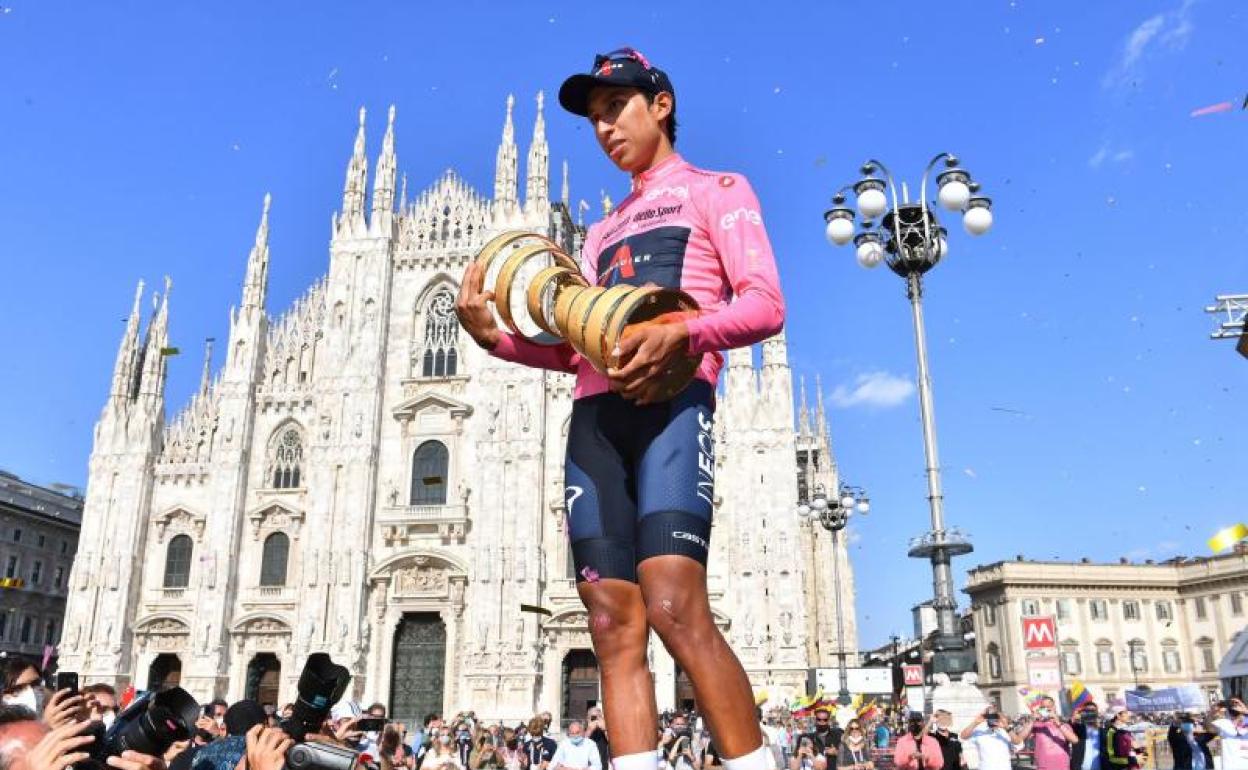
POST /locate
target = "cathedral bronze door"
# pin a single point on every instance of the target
(417, 677)
(580, 685)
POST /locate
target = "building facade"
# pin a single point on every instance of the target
(358, 478)
(38, 539)
(1117, 626)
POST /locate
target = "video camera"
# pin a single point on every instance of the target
(149, 725)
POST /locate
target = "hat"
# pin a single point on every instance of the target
(344, 709)
(243, 716)
(625, 67)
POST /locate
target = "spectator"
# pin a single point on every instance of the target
(808, 755)
(443, 754)
(101, 703)
(950, 746)
(1119, 743)
(677, 747)
(485, 755)
(1189, 744)
(393, 751)
(882, 734)
(540, 748)
(463, 740)
(1052, 737)
(575, 752)
(510, 752)
(1086, 754)
(855, 752)
(596, 731)
(916, 750)
(992, 740)
(827, 736)
(21, 685)
(224, 754)
(1229, 725)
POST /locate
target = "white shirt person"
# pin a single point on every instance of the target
(576, 752)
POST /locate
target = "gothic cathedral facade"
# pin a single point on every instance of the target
(358, 478)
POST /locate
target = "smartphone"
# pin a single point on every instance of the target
(371, 724)
(67, 680)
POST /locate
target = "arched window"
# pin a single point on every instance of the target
(178, 562)
(273, 561)
(440, 358)
(286, 459)
(429, 466)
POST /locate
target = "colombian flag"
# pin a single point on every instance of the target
(1079, 695)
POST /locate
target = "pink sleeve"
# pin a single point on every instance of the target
(902, 759)
(735, 225)
(560, 358)
(933, 759)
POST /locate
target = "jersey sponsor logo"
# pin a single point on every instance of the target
(570, 495)
(680, 535)
(729, 220)
(680, 191)
(654, 256)
(726, 181)
(706, 457)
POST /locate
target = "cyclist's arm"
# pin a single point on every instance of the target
(734, 223)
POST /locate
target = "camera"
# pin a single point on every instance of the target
(320, 756)
(321, 685)
(150, 725)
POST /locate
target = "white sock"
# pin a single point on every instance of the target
(646, 760)
(755, 760)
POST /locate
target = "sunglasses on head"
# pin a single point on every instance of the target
(621, 53)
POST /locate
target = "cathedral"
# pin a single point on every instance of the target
(358, 478)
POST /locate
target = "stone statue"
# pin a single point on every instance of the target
(392, 493)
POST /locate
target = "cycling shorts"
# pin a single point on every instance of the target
(639, 481)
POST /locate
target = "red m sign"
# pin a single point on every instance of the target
(1039, 633)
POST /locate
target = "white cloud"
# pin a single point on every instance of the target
(878, 390)
(1170, 30)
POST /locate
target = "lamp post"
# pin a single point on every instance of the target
(911, 240)
(1132, 654)
(833, 514)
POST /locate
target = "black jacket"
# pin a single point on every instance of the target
(1181, 750)
(1079, 750)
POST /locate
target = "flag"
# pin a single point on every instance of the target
(170, 351)
(47, 656)
(127, 696)
(1079, 695)
(1225, 538)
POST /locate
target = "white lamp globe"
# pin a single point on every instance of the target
(803, 510)
(847, 501)
(977, 220)
(872, 203)
(954, 195)
(864, 507)
(839, 231)
(819, 504)
(870, 254)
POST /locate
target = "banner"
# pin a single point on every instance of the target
(1186, 697)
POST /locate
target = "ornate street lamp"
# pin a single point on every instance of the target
(911, 240)
(833, 514)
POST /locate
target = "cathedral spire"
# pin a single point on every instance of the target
(205, 376)
(564, 191)
(803, 414)
(505, 181)
(355, 188)
(403, 194)
(157, 348)
(255, 284)
(821, 416)
(537, 172)
(383, 181)
(124, 370)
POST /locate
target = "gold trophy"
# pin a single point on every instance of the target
(540, 295)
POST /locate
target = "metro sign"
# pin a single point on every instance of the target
(912, 675)
(1039, 633)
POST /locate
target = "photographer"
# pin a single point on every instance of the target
(808, 756)
(1189, 744)
(485, 755)
(26, 744)
(917, 750)
(1053, 737)
(676, 747)
(994, 742)
(596, 731)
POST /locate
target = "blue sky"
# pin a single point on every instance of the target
(1082, 410)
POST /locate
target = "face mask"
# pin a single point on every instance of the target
(577, 739)
(445, 739)
(1044, 713)
(24, 697)
(916, 729)
(1188, 728)
(108, 718)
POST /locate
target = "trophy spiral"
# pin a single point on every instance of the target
(540, 295)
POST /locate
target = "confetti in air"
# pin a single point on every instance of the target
(535, 609)
(1225, 538)
(1213, 109)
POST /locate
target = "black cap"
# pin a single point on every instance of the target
(243, 716)
(624, 67)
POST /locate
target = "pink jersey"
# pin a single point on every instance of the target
(681, 228)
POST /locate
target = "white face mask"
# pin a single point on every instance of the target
(24, 697)
(108, 718)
